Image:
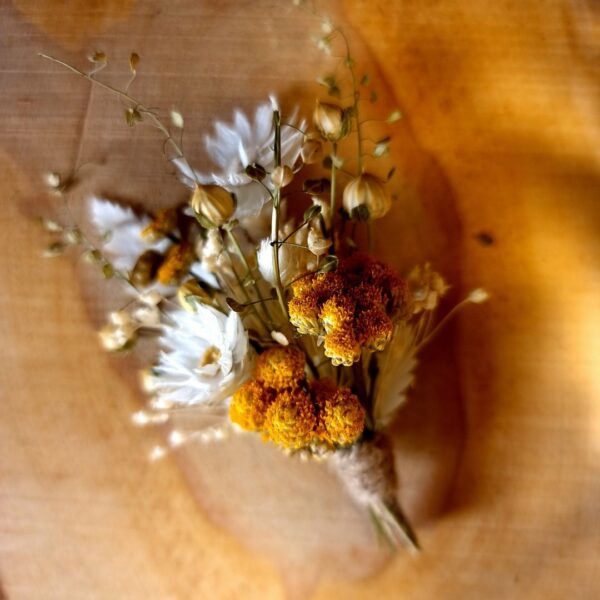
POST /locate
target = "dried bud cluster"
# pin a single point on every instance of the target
(350, 309)
(292, 413)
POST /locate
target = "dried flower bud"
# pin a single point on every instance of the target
(478, 296)
(116, 337)
(282, 176)
(146, 267)
(120, 318)
(150, 297)
(329, 120)
(317, 243)
(146, 315)
(190, 294)
(213, 203)
(369, 191)
(311, 151)
(52, 180)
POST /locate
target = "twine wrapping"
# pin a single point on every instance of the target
(368, 474)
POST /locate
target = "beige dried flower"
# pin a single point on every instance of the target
(329, 120)
(214, 203)
(282, 176)
(369, 191)
(317, 243)
(311, 151)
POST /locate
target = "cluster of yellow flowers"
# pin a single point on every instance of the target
(351, 308)
(292, 412)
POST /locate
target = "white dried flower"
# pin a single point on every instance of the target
(235, 146)
(290, 262)
(205, 357)
(212, 250)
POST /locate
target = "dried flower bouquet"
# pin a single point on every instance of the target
(270, 322)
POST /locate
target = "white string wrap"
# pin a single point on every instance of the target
(367, 472)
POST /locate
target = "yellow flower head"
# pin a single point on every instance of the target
(309, 293)
(163, 224)
(341, 346)
(291, 420)
(249, 405)
(352, 308)
(280, 367)
(374, 328)
(337, 312)
(341, 417)
(176, 264)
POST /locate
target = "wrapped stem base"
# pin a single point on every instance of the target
(367, 471)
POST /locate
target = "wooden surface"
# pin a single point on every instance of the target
(499, 450)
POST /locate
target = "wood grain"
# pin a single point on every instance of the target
(499, 450)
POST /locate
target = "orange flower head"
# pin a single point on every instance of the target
(337, 312)
(374, 328)
(341, 346)
(176, 264)
(163, 224)
(341, 416)
(291, 420)
(280, 367)
(249, 405)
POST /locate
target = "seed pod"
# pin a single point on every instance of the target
(329, 120)
(311, 151)
(214, 203)
(146, 267)
(369, 191)
(317, 243)
(282, 176)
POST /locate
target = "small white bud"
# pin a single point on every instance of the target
(478, 296)
(280, 338)
(177, 119)
(52, 180)
(150, 297)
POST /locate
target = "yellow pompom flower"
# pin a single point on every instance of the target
(341, 416)
(249, 405)
(341, 346)
(163, 224)
(374, 328)
(337, 312)
(280, 367)
(176, 264)
(291, 420)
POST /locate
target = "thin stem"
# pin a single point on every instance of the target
(244, 261)
(356, 96)
(275, 217)
(332, 195)
(441, 323)
(156, 122)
